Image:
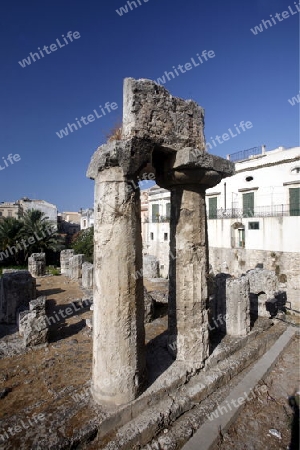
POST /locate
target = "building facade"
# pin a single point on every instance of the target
(253, 219)
(10, 209)
(87, 218)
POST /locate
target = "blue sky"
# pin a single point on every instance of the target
(250, 78)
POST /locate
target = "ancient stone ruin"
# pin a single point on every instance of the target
(87, 275)
(17, 288)
(164, 135)
(65, 256)
(33, 325)
(37, 264)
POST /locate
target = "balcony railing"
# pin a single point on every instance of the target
(157, 219)
(260, 211)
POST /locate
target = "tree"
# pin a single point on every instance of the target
(84, 243)
(39, 233)
(10, 232)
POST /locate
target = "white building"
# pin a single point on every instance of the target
(87, 218)
(155, 226)
(47, 208)
(253, 218)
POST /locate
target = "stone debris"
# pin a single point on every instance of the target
(33, 326)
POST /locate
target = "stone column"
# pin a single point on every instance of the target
(118, 332)
(188, 297)
(65, 256)
(238, 306)
(37, 264)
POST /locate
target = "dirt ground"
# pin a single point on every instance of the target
(277, 409)
(39, 379)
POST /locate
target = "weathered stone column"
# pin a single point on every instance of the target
(118, 333)
(65, 256)
(237, 306)
(37, 264)
(188, 297)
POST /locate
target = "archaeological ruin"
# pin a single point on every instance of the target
(159, 134)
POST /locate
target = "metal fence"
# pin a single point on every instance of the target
(245, 154)
(260, 211)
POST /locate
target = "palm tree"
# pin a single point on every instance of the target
(39, 233)
(10, 232)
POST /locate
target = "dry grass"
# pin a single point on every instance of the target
(115, 134)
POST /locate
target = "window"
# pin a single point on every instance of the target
(9, 214)
(168, 210)
(165, 236)
(295, 170)
(0, 213)
(212, 207)
(249, 178)
(248, 204)
(253, 225)
(155, 213)
(294, 201)
(151, 236)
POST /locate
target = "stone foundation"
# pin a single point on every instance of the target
(285, 265)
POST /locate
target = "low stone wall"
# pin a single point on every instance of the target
(286, 266)
(17, 288)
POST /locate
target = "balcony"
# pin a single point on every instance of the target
(260, 211)
(157, 219)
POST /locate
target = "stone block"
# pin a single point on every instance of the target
(37, 264)
(237, 306)
(17, 288)
(65, 256)
(150, 266)
(87, 275)
(75, 266)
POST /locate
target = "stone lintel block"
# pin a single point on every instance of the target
(193, 158)
(131, 155)
(151, 112)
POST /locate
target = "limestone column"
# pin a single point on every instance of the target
(118, 332)
(188, 297)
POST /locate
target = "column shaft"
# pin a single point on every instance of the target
(118, 324)
(188, 298)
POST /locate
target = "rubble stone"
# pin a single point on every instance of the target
(33, 325)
